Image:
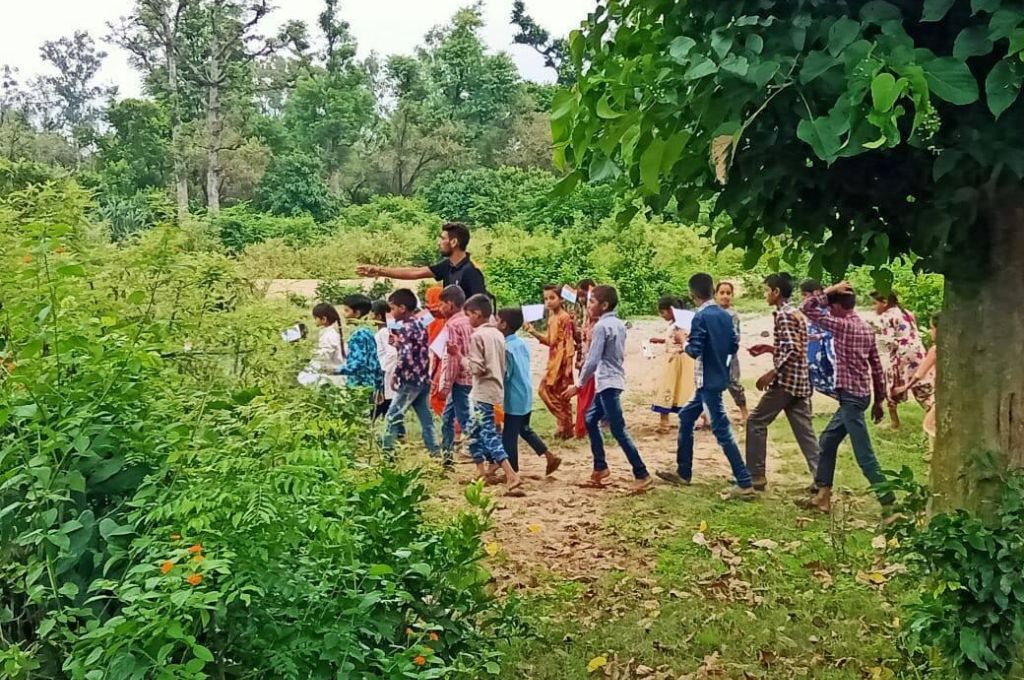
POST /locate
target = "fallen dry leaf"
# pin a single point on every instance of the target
(492, 548)
(703, 526)
(534, 528)
(699, 539)
(874, 578)
(597, 663)
(765, 544)
(878, 542)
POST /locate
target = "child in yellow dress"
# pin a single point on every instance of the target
(677, 381)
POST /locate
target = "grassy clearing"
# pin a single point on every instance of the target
(799, 603)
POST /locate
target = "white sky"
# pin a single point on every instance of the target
(383, 26)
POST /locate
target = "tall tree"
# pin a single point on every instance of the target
(555, 51)
(153, 35)
(862, 130)
(71, 85)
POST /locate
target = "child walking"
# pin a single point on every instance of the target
(712, 341)
(821, 353)
(330, 349)
(361, 367)
(456, 381)
(858, 370)
(584, 329)
(487, 364)
(519, 394)
(412, 378)
(561, 343)
(724, 294)
(387, 357)
(900, 337)
(677, 377)
(605, 363)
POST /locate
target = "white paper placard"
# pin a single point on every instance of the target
(426, 318)
(532, 313)
(569, 294)
(683, 318)
(292, 334)
(307, 377)
(648, 350)
(440, 344)
(394, 325)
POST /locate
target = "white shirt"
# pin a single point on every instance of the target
(387, 356)
(329, 354)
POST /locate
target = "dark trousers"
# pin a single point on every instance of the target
(607, 405)
(849, 420)
(516, 427)
(380, 410)
(800, 415)
(720, 426)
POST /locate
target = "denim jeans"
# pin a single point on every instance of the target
(516, 427)
(607, 405)
(416, 397)
(456, 408)
(722, 429)
(849, 420)
(484, 442)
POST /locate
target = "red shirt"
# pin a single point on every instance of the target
(858, 365)
(455, 369)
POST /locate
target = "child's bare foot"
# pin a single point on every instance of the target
(553, 463)
(822, 501)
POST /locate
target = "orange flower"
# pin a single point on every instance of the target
(10, 366)
(27, 259)
(58, 249)
(434, 637)
(166, 567)
(409, 631)
(196, 548)
(194, 579)
(198, 558)
(175, 537)
(420, 660)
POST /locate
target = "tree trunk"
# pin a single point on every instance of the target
(177, 141)
(214, 126)
(981, 373)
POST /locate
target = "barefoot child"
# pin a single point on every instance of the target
(712, 341)
(487, 364)
(519, 394)
(677, 376)
(858, 370)
(925, 373)
(899, 336)
(456, 382)
(561, 344)
(606, 363)
(787, 387)
(412, 378)
(724, 294)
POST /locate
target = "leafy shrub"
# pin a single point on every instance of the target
(292, 186)
(239, 226)
(127, 215)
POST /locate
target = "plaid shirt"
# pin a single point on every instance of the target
(455, 370)
(792, 372)
(857, 362)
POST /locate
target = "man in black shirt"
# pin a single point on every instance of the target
(456, 269)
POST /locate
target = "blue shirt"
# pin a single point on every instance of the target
(361, 367)
(518, 387)
(713, 341)
(606, 358)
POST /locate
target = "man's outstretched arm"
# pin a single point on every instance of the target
(401, 273)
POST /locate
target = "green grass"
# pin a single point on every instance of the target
(795, 610)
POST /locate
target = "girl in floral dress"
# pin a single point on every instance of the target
(900, 338)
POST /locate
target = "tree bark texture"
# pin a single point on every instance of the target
(980, 399)
(177, 140)
(214, 122)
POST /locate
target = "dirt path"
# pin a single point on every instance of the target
(558, 528)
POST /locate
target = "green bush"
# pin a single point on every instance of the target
(292, 186)
(239, 227)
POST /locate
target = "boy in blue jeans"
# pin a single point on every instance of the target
(713, 340)
(605, 362)
(456, 380)
(487, 364)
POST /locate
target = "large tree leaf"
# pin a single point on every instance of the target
(843, 32)
(680, 47)
(1002, 87)
(985, 5)
(650, 165)
(878, 11)
(884, 91)
(701, 69)
(605, 110)
(816, 63)
(763, 72)
(1004, 22)
(973, 41)
(721, 43)
(824, 134)
(935, 10)
(951, 80)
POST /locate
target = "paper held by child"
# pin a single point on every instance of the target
(440, 344)
(648, 350)
(569, 294)
(426, 318)
(394, 325)
(292, 334)
(307, 377)
(683, 318)
(532, 313)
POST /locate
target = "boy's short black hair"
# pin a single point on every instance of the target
(669, 302)
(585, 284)
(780, 282)
(480, 303)
(459, 232)
(454, 295)
(358, 303)
(512, 317)
(702, 285)
(891, 299)
(606, 295)
(326, 311)
(403, 297)
(380, 309)
(810, 286)
(845, 300)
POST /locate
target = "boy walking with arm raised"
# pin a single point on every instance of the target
(605, 363)
(712, 342)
